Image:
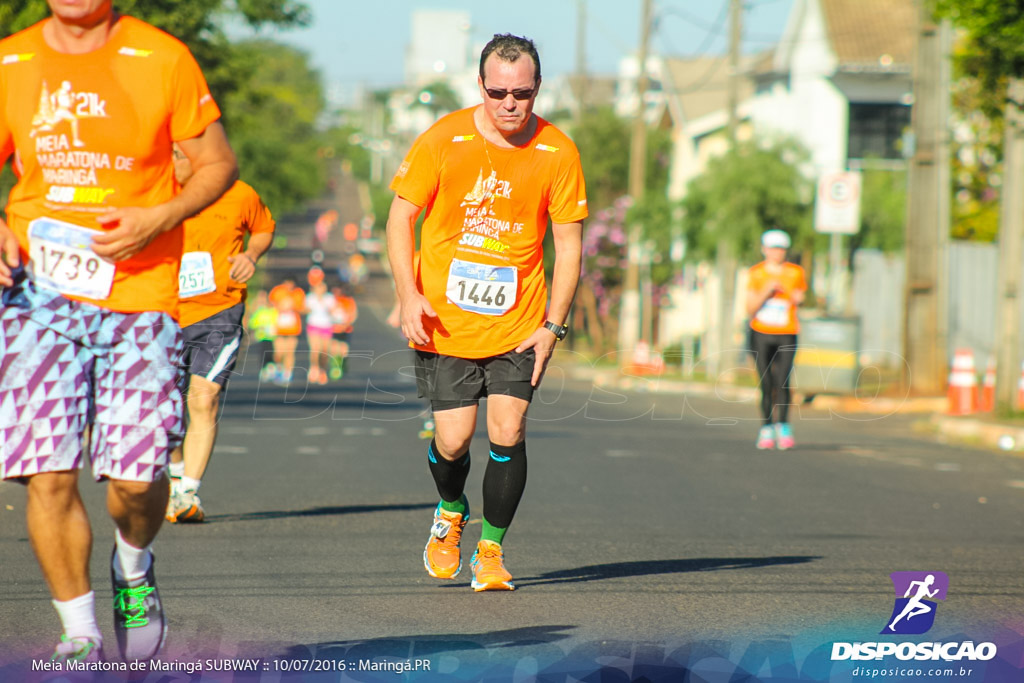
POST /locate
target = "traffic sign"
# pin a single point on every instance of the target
(837, 207)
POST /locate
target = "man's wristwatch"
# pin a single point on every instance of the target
(558, 330)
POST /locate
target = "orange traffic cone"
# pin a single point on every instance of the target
(962, 383)
(987, 393)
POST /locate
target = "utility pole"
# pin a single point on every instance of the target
(725, 258)
(733, 93)
(1011, 239)
(629, 319)
(582, 84)
(926, 234)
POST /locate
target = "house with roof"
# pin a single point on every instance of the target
(839, 82)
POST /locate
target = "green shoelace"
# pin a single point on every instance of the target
(84, 647)
(129, 600)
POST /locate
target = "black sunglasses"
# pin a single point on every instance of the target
(521, 94)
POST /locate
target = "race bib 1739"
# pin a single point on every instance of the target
(62, 259)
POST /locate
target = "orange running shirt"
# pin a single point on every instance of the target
(345, 314)
(93, 132)
(487, 210)
(220, 230)
(778, 315)
(290, 303)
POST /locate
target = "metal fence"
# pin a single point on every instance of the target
(878, 299)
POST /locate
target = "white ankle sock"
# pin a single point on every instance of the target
(190, 484)
(130, 563)
(78, 617)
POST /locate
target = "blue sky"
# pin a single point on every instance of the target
(363, 41)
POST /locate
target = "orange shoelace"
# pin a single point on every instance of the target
(451, 540)
(490, 560)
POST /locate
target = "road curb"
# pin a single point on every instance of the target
(1003, 437)
(652, 384)
(967, 430)
(881, 405)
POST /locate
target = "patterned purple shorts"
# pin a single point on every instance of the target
(65, 365)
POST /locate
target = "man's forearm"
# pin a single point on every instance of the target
(258, 245)
(401, 249)
(400, 254)
(203, 188)
(564, 281)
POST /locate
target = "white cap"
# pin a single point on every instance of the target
(775, 239)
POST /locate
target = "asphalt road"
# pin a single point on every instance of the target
(650, 526)
(653, 542)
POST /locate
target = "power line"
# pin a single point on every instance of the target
(713, 30)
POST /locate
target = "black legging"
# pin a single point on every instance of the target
(773, 355)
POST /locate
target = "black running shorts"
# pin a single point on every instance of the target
(211, 345)
(450, 382)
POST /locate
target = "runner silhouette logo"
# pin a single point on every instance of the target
(916, 593)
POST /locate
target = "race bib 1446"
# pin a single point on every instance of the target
(488, 290)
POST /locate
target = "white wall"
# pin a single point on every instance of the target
(812, 109)
(439, 45)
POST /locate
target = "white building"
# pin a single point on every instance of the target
(439, 46)
(840, 80)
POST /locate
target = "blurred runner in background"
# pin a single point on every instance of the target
(221, 248)
(774, 290)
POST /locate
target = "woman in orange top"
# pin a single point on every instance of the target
(289, 301)
(774, 289)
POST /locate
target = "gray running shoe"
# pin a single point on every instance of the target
(138, 615)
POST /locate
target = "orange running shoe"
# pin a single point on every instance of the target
(184, 506)
(489, 573)
(441, 556)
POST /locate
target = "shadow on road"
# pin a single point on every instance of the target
(614, 570)
(319, 512)
(427, 645)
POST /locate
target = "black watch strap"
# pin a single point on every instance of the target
(558, 330)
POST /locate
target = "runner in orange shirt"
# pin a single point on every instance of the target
(290, 302)
(90, 103)
(774, 290)
(344, 316)
(476, 308)
(216, 264)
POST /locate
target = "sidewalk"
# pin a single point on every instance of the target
(976, 430)
(981, 429)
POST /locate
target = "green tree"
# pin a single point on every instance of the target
(269, 116)
(988, 55)
(438, 97)
(741, 194)
(977, 149)
(603, 140)
(345, 142)
(273, 124)
(883, 210)
(994, 49)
